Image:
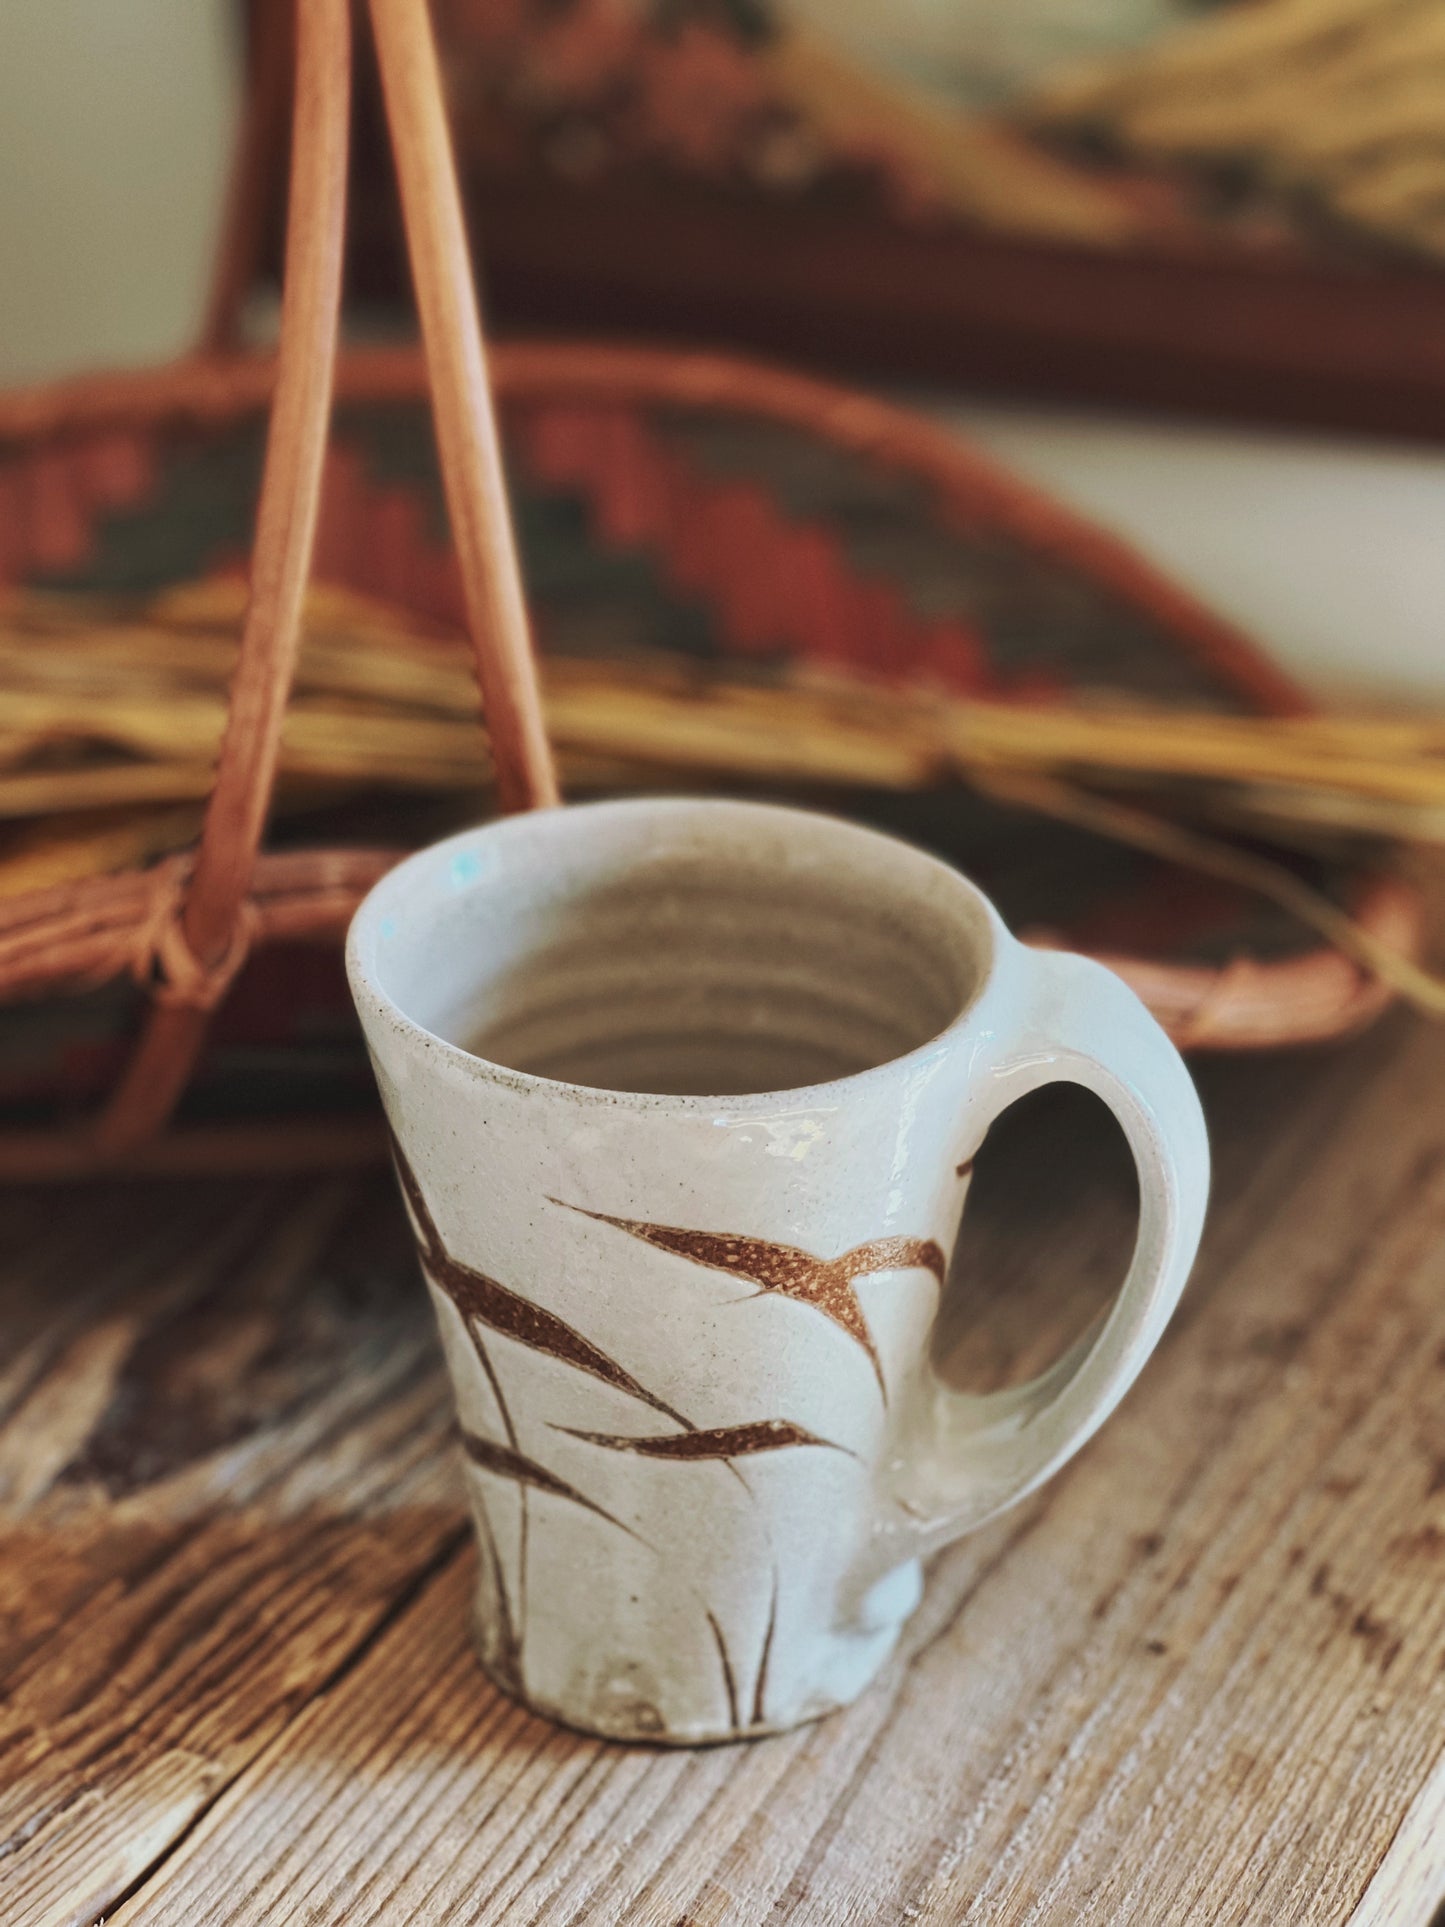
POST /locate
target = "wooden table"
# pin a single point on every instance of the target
(1200, 1678)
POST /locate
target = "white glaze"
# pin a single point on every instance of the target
(638, 1595)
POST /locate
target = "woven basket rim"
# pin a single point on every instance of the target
(206, 390)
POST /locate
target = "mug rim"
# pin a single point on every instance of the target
(367, 989)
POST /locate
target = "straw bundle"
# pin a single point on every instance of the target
(1337, 101)
(113, 716)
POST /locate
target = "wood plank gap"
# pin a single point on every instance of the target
(440, 1559)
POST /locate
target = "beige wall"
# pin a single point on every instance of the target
(116, 118)
(1329, 551)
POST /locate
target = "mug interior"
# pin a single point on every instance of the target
(678, 948)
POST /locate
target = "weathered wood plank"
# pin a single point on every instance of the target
(222, 1465)
(1200, 1678)
(1411, 1877)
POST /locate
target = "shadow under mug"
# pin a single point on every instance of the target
(685, 1096)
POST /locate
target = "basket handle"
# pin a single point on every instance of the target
(260, 141)
(204, 942)
(204, 945)
(290, 482)
(466, 428)
(296, 446)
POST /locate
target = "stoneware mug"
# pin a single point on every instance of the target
(684, 1097)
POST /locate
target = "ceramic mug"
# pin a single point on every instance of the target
(684, 1097)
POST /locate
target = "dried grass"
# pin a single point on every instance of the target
(112, 715)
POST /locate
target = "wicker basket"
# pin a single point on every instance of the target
(730, 492)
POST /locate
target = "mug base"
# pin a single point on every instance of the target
(641, 1724)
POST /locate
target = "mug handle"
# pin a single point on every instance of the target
(965, 1457)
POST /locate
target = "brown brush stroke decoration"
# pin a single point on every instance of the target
(760, 1689)
(506, 1661)
(513, 1623)
(824, 1283)
(721, 1442)
(729, 1683)
(508, 1463)
(509, 1659)
(482, 1300)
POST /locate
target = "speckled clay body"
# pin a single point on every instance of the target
(689, 1332)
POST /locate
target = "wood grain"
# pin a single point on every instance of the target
(222, 1464)
(1200, 1678)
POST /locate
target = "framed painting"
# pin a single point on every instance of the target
(1234, 206)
